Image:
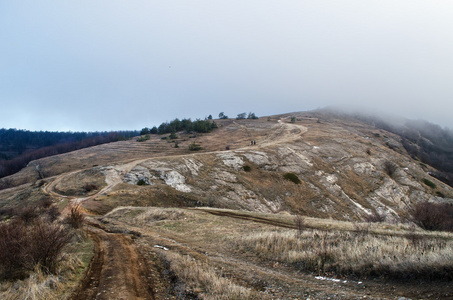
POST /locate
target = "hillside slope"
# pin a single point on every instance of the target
(348, 170)
(222, 222)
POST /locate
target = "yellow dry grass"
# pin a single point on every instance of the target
(354, 253)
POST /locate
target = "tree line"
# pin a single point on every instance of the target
(200, 126)
(19, 147)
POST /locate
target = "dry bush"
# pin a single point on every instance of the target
(348, 253)
(43, 286)
(88, 187)
(432, 216)
(205, 280)
(389, 168)
(76, 218)
(299, 221)
(29, 246)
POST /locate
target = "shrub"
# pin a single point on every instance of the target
(247, 168)
(429, 183)
(292, 177)
(299, 221)
(389, 168)
(431, 216)
(25, 247)
(142, 182)
(144, 138)
(195, 147)
(76, 217)
(293, 119)
(88, 187)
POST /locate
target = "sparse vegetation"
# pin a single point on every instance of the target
(348, 253)
(195, 147)
(208, 283)
(292, 177)
(144, 138)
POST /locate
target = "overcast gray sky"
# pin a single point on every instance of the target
(108, 64)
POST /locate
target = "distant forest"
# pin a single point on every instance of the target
(19, 147)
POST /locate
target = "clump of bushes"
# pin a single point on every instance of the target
(76, 218)
(433, 216)
(144, 138)
(429, 183)
(292, 177)
(195, 147)
(25, 247)
(88, 187)
(142, 181)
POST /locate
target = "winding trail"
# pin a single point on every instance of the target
(117, 270)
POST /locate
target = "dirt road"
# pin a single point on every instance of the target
(117, 271)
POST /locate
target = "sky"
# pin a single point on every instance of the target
(100, 65)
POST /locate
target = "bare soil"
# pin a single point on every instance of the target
(117, 270)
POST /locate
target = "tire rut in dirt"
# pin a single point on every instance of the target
(117, 271)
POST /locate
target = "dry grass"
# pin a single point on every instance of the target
(43, 286)
(349, 253)
(204, 280)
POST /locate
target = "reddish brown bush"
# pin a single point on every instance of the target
(432, 216)
(76, 217)
(26, 246)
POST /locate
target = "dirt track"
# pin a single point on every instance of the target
(117, 270)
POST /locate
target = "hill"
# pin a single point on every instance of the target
(236, 206)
